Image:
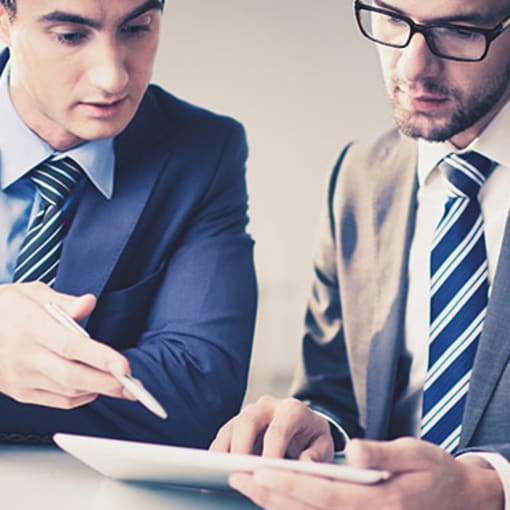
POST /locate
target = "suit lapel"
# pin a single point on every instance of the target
(4, 57)
(394, 223)
(101, 228)
(494, 347)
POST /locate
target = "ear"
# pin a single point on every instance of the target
(5, 25)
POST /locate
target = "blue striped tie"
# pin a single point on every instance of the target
(40, 251)
(459, 296)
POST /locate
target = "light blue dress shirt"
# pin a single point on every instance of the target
(20, 151)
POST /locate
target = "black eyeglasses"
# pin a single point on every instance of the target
(446, 40)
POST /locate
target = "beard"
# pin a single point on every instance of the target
(468, 110)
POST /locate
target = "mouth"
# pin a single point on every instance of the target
(422, 101)
(103, 108)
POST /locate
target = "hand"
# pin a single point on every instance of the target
(41, 361)
(423, 477)
(277, 428)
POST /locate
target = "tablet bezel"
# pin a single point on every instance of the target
(190, 467)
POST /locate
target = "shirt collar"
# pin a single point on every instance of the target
(492, 142)
(21, 149)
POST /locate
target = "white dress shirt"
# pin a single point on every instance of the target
(495, 203)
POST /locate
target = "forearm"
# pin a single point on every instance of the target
(198, 396)
(200, 388)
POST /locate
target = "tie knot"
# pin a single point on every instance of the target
(466, 173)
(55, 180)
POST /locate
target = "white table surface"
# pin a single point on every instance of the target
(46, 478)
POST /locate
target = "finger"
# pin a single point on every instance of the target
(321, 449)
(50, 372)
(264, 497)
(75, 376)
(221, 443)
(69, 344)
(77, 307)
(314, 491)
(30, 379)
(48, 399)
(74, 347)
(248, 427)
(244, 483)
(39, 382)
(404, 454)
(291, 418)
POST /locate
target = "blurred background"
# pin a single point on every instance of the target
(303, 82)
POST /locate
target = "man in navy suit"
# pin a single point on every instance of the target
(155, 262)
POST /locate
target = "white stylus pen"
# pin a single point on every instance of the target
(129, 382)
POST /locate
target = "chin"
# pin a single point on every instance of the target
(434, 133)
(418, 125)
(102, 131)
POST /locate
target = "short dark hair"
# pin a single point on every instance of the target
(10, 6)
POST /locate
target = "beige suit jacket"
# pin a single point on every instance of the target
(353, 364)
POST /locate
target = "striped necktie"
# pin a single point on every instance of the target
(458, 298)
(40, 251)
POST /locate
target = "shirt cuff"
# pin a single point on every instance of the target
(494, 461)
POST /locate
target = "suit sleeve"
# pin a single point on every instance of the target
(192, 348)
(323, 377)
(195, 351)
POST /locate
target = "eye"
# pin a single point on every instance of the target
(395, 21)
(71, 38)
(462, 33)
(136, 28)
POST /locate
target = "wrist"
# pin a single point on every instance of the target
(487, 489)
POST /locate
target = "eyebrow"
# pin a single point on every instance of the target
(67, 17)
(473, 17)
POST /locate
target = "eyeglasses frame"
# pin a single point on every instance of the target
(489, 33)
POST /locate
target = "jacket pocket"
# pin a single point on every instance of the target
(121, 315)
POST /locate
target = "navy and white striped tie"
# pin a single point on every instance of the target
(40, 251)
(459, 296)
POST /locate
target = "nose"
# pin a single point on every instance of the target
(108, 70)
(416, 61)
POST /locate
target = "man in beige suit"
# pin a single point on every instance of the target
(366, 369)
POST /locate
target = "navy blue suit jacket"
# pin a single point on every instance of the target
(171, 264)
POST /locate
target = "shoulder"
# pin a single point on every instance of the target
(376, 150)
(172, 114)
(363, 161)
(368, 170)
(165, 124)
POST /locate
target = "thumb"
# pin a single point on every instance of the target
(405, 454)
(77, 307)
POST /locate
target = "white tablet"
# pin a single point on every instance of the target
(145, 462)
